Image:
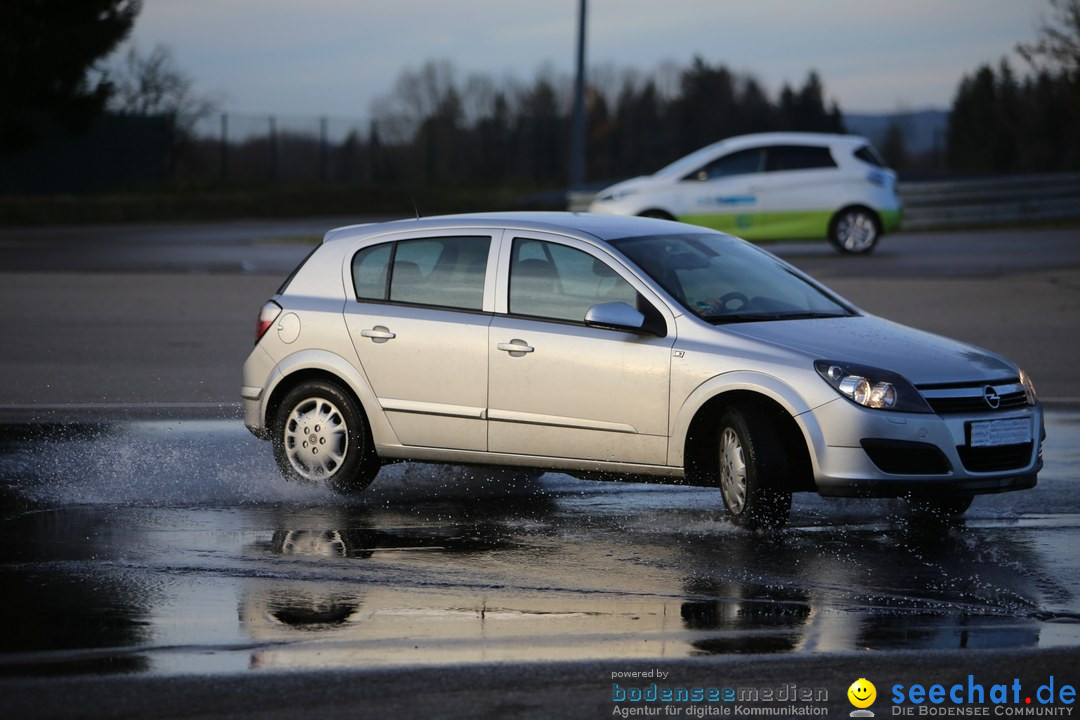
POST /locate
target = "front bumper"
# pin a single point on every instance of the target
(891, 219)
(869, 453)
(927, 487)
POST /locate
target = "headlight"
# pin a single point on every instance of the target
(872, 387)
(1029, 388)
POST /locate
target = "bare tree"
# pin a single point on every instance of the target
(1058, 46)
(478, 97)
(153, 84)
(417, 95)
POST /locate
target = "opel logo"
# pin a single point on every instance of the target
(991, 397)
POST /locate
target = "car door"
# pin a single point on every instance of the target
(559, 388)
(419, 324)
(725, 194)
(800, 189)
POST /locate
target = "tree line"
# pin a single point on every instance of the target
(435, 129)
(441, 129)
(1001, 123)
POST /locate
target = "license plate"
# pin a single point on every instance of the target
(991, 433)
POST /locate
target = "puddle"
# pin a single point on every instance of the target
(165, 548)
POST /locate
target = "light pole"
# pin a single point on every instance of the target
(577, 129)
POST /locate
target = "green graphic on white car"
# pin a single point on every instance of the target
(771, 186)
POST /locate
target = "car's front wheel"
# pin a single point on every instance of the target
(752, 469)
(320, 436)
(855, 230)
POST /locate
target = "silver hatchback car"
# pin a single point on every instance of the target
(610, 346)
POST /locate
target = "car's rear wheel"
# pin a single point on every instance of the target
(320, 436)
(855, 230)
(752, 469)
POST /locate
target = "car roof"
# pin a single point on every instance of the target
(739, 142)
(792, 138)
(601, 227)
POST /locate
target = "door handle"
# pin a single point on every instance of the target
(379, 333)
(515, 347)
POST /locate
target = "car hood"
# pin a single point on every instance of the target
(921, 357)
(633, 185)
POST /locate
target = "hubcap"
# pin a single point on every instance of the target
(732, 471)
(316, 439)
(856, 231)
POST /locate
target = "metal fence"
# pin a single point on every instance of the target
(269, 149)
(991, 201)
(1012, 200)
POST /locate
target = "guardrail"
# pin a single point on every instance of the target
(1010, 200)
(991, 201)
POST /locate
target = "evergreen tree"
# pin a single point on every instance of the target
(893, 147)
(48, 50)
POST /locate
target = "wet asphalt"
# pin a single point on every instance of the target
(173, 547)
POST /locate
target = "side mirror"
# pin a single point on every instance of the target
(615, 316)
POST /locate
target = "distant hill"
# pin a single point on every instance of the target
(923, 129)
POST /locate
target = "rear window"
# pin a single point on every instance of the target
(442, 271)
(445, 271)
(799, 157)
(370, 270)
(869, 156)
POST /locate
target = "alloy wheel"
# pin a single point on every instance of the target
(316, 438)
(732, 471)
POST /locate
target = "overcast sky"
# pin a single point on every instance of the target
(335, 57)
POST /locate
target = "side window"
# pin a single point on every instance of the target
(799, 157)
(741, 162)
(369, 274)
(556, 282)
(443, 271)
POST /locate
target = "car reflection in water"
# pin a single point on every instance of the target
(913, 587)
(813, 589)
(310, 608)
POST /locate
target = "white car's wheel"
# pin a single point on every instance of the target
(855, 230)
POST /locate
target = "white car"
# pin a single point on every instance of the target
(771, 186)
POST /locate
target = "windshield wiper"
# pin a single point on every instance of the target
(766, 317)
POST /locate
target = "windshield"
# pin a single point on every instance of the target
(722, 279)
(689, 163)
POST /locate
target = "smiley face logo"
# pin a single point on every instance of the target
(862, 693)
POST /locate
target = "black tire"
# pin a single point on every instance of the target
(320, 435)
(855, 230)
(753, 469)
(943, 507)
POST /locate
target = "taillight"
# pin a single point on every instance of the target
(267, 316)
